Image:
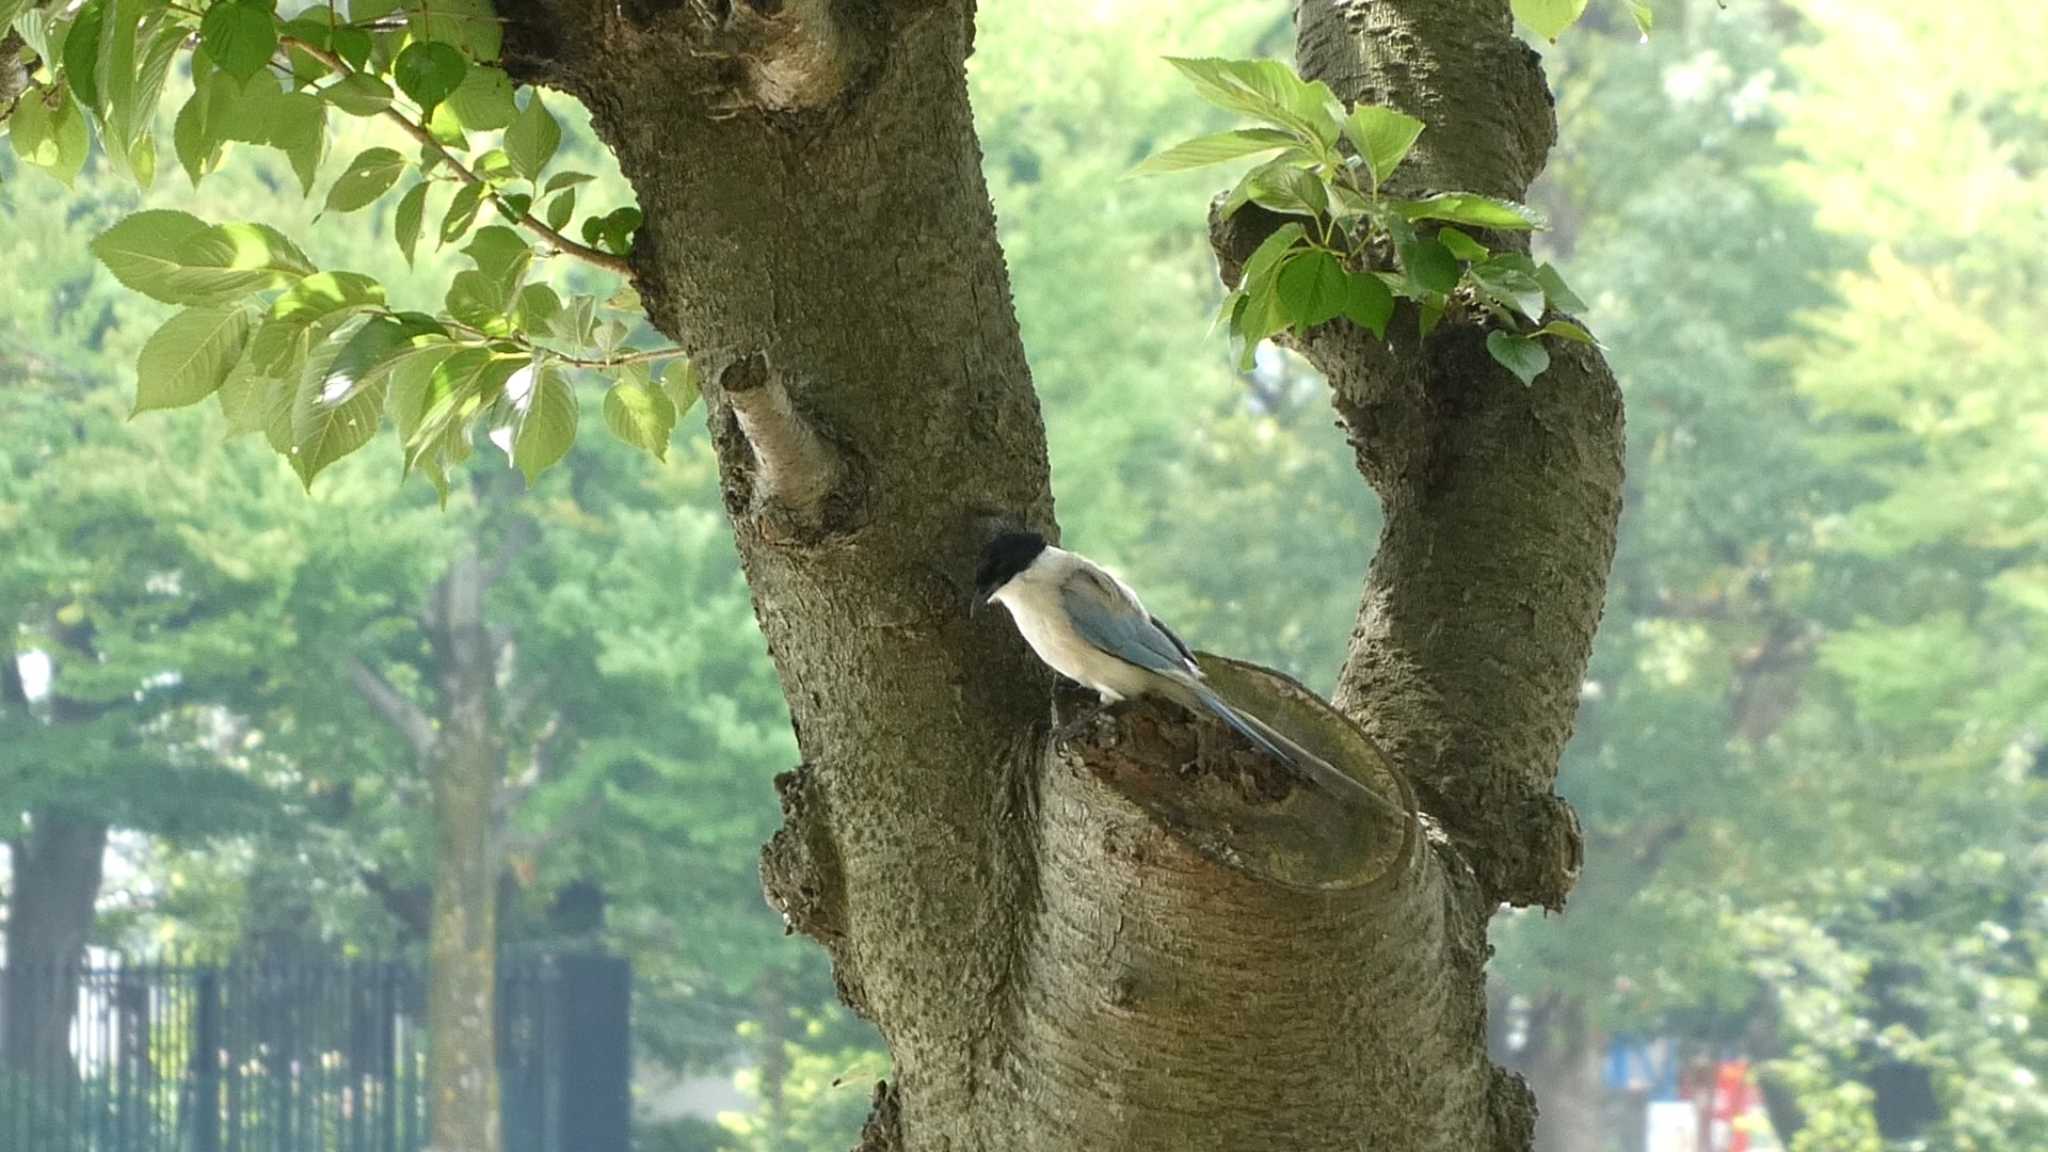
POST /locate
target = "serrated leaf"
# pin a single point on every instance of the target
(1430, 265)
(532, 139)
(1267, 90)
(411, 214)
(1466, 208)
(1382, 137)
(174, 257)
(239, 36)
(1368, 302)
(641, 416)
(462, 210)
(366, 179)
(683, 384)
(186, 359)
(248, 399)
(1518, 354)
(1548, 18)
(141, 250)
(429, 71)
(305, 313)
(196, 149)
(1217, 148)
(1291, 190)
(358, 94)
(577, 323)
(545, 423)
(1312, 290)
(483, 101)
(338, 403)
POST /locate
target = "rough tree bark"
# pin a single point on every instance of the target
(1138, 939)
(56, 884)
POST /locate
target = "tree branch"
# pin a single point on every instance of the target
(401, 713)
(795, 468)
(618, 265)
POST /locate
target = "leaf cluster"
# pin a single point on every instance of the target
(1351, 248)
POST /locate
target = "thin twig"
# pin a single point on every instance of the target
(584, 252)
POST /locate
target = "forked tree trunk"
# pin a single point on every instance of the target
(1086, 946)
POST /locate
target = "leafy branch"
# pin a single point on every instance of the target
(1350, 249)
(315, 360)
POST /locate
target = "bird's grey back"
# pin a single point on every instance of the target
(1111, 619)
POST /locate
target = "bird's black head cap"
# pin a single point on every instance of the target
(1005, 556)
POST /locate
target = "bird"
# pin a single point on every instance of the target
(1090, 627)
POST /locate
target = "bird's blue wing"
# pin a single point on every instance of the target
(1105, 618)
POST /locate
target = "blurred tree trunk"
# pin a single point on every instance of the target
(461, 751)
(1126, 940)
(55, 886)
(1562, 1063)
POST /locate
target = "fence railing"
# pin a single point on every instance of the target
(296, 1053)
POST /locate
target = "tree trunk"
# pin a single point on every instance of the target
(1562, 1064)
(1139, 939)
(56, 884)
(462, 946)
(462, 752)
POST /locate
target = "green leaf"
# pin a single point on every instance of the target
(641, 416)
(533, 137)
(412, 210)
(174, 257)
(1640, 9)
(469, 25)
(321, 301)
(1559, 293)
(1462, 246)
(1428, 312)
(474, 299)
(1566, 330)
(1466, 208)
(82, 53)
(545, 424)
(1430, 265)
(135, 60)
(186, 359)
(353, 45)
(1548, 18)
(1511, 287)
(49, 131)
(614, 230)
(462, 212)
(1290, 190)
(429, 71)
(1267, 90)
(683, 383)
(339, 400)
(561, 180)
(1368, 302)
(560, 209)
(1518, 354)
(538, 306)
(1382, 137)
(1264, 259)
(298, 128)
(141, 250)
(502, 255)
(483, 101)
(249, 399)
(239, 36)
(358, 94)
(196, 149)
(1313, 290)
(241, 109)
(367, 178)
(1218, 148)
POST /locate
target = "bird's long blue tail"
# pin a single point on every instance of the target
(1280, 747)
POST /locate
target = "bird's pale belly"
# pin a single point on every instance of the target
(1080, 661)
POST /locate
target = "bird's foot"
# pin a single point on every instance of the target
(1078, 724)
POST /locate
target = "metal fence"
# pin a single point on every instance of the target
(308, 1054)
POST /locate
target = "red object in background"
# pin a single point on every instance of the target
(1724, 1093)
(1735, 1096)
